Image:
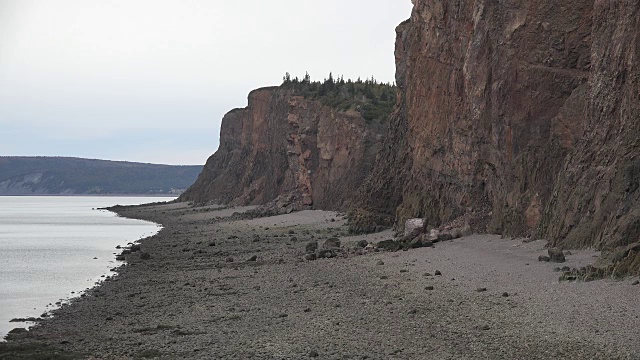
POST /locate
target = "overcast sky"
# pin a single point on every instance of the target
(149, 80)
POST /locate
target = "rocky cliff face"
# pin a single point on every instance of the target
(520, 116)
(285, 147)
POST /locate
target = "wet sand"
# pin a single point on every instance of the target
(198, 297)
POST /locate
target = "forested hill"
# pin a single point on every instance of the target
(68, 176)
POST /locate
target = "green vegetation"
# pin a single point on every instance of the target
(374, 100)
(59, 175)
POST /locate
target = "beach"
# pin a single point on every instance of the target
(219, 285)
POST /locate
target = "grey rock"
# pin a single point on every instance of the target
(556, 255)
(331, 243)
(311, 246)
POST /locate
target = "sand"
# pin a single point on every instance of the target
(189, 300)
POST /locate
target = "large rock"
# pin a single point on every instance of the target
(556, 255)
(413, 227)
(331, 243)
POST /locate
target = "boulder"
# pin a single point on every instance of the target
(331, 243)
(413, 226)
(389, 245)
(556, 255)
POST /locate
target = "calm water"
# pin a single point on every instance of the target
(48, 246)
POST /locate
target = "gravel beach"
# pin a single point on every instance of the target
(214, 286)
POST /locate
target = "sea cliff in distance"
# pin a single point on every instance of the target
(76, 176)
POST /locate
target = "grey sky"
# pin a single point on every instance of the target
(149, 80)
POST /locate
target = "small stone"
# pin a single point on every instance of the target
(229, 259)
(283, 315)
(212, 243)
(362, 243)
(380, 262)
(384, 277)
(412, 311)
(307, 310)
(635, 282)
(438, 273)
(253, 258)
(481, 289)
(544, 258)
(313, 354)
(311, 246)
(426, 274)
(310, 257)
(145, 256)
(505, 294)
(430, 287)
(404, 270)
(325, 254)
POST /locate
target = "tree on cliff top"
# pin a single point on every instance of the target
(374, 100)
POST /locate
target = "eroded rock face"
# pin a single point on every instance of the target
(290, 148)
(506, 109)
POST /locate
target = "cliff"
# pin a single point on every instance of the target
(520, 117)
(291, 148)
(68, 176)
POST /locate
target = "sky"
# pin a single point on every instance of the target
(150, 80)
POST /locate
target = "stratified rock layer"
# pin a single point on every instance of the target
(285, 147)
(510, 108)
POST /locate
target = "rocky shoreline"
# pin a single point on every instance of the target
(215, 285)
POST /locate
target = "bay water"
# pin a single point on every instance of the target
(54, 247)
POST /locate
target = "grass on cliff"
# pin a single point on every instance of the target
(373, 100)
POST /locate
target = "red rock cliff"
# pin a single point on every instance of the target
(509, 108)
(283, 144)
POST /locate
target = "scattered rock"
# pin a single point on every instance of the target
(229, 259)
(505, 294)
(544, 258)
(310, 257)
(437, 273)
(635, 282)
(412, 311)
(313, 354)
(481, 289)
(404, 270)
(212, 243)
(380, 262)
(429, 287)
(362, 243)
(253, 258)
